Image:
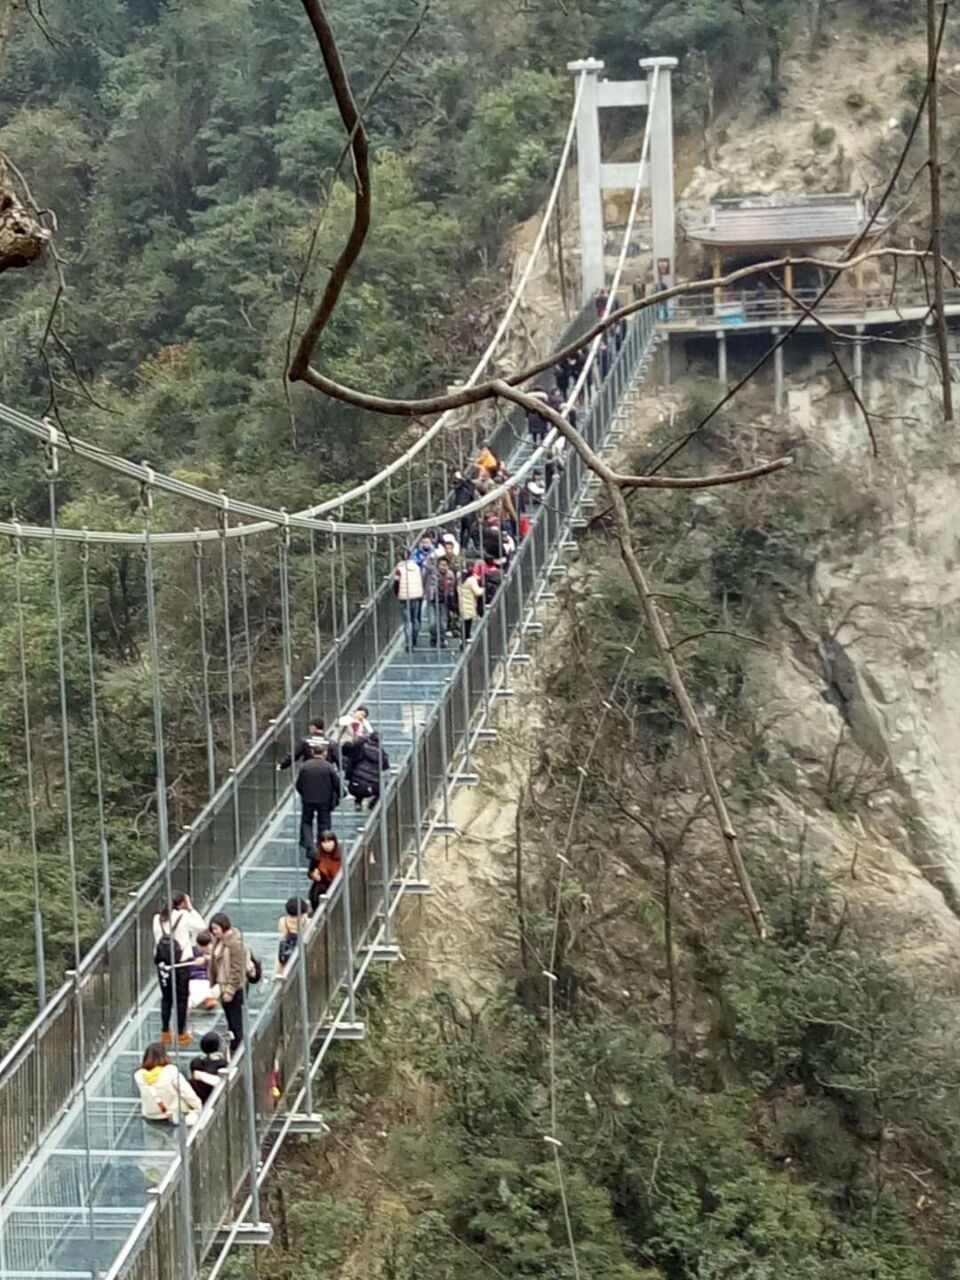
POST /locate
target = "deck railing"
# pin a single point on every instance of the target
(710, 310)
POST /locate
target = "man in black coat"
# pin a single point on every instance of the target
(316, 737)
(367, 761)
(464, 492)
(318, 783)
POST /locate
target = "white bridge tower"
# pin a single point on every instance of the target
(595, 177)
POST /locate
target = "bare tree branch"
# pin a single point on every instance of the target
(359, 151)
(482, 391)
(936, 217)
(660, 639)
(324, 205)
(834, 360)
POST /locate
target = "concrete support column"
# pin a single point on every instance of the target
(778, 387)
(722, 357)
(592, 274)
(858, 361)
(661, 166)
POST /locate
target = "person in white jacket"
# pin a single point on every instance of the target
(470, 592)
(185, 923)
(408, 588)
(164, 1093)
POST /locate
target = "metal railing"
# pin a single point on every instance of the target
(750, 306)
(382, 860)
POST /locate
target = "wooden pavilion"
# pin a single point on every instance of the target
(754, 228)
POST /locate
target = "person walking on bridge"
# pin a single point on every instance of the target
(324, 868)
(408, 588)
(184, 923)
(486, 460)
(296, 913)
(173, 972)
(470, 592)
(368, 762)
(318, 785)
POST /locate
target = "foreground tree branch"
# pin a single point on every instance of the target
(615, 485)
(301, 369)
(936, 215)
(360, 155)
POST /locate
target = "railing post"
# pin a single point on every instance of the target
(486, 669)
(498, 602)
(384, 862)
(346, 889)
(253, 1142)
(467, 750)
(445, 760)
(417, 812)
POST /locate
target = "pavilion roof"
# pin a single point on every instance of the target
(785, 222)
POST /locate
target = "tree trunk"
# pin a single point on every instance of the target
(8, 15)
(521, 909)
(816, 25)
(671, 958)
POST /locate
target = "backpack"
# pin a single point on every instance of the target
(254, 969)
(288, 944)
(166, 955)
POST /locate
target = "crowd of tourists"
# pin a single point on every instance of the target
(202, 965)
(444, 581)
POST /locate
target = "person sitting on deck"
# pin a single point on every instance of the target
(201, 994)
(296, 914)
(205, 1071)
(164, 1093)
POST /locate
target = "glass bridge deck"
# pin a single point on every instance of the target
(46, 1232)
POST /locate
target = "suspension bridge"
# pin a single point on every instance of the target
(88, 1188)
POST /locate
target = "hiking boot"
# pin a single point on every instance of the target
(186, 1038)
(166, 1037)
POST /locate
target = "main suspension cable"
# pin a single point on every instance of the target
(267, 519)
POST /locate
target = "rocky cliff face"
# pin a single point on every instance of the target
(884, 623)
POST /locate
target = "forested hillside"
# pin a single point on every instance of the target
(185, 149)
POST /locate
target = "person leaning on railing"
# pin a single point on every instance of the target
(164, 1093)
